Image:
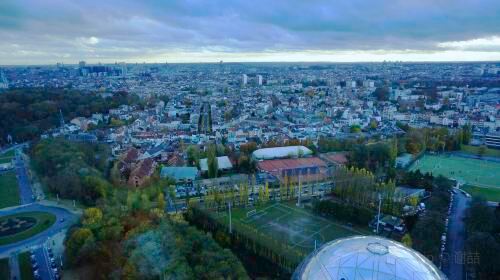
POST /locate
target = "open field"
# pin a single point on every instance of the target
(298, 228)
(25, 266)
(9, 192)
(43, 221)
(474, 150)
(490, 194)
(7, 157)
(4, 269)
(466, 170)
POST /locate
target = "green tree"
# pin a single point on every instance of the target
(212, 162)
(161, 201)
(92, 216)
(406, 240)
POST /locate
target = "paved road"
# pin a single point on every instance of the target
(454, 267)
(43, 260)
(25, 192)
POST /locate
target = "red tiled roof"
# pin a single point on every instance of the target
(292, 163)
(146, 168)
(131, 155)
(339, 158)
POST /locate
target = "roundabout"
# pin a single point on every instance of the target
(20, 226)
(30, 225)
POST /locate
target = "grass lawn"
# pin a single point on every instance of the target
(490, 194)
(285, 227)
(25, 266)
(9, 192)
(474, 150)
(44, 221)
(467, 170)
(4, 269)
(7, 157)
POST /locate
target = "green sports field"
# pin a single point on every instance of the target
(7, 157)
(466, 170)
(295, 228)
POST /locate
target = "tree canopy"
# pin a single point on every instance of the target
(27, 113)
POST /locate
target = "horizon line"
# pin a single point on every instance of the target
(259, 62)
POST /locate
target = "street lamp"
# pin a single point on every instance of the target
(378, 215)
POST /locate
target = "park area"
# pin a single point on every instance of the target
(297, 229)
(9, 192)
(21, 226)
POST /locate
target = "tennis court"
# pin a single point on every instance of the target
(466, 170)
(297, 227)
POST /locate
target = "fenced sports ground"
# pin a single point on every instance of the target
(477, 172)
(297, 228)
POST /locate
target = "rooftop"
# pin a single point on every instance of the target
(291, 163)
(281, 152)
(179, 173)
(222, 163)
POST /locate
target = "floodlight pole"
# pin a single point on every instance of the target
(378, 216)
(230, 219)
(300, 192)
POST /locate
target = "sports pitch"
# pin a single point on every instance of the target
(466, 170)
(297, 227)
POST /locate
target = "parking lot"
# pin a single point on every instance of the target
(45, 265)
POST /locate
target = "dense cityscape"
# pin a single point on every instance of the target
(170, 142)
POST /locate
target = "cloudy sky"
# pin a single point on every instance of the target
(49, 31)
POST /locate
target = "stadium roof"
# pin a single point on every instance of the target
(367, 257)
(281, 152)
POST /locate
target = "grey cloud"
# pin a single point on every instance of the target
(127, 29)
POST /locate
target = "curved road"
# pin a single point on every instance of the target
(41, 237)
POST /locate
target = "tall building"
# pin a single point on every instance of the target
(3, 80)
(123, 69)
(81, 64)
(259, 80)
(245, 79)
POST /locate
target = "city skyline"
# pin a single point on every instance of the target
(46, 32)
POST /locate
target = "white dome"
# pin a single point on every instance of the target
(367, 258)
